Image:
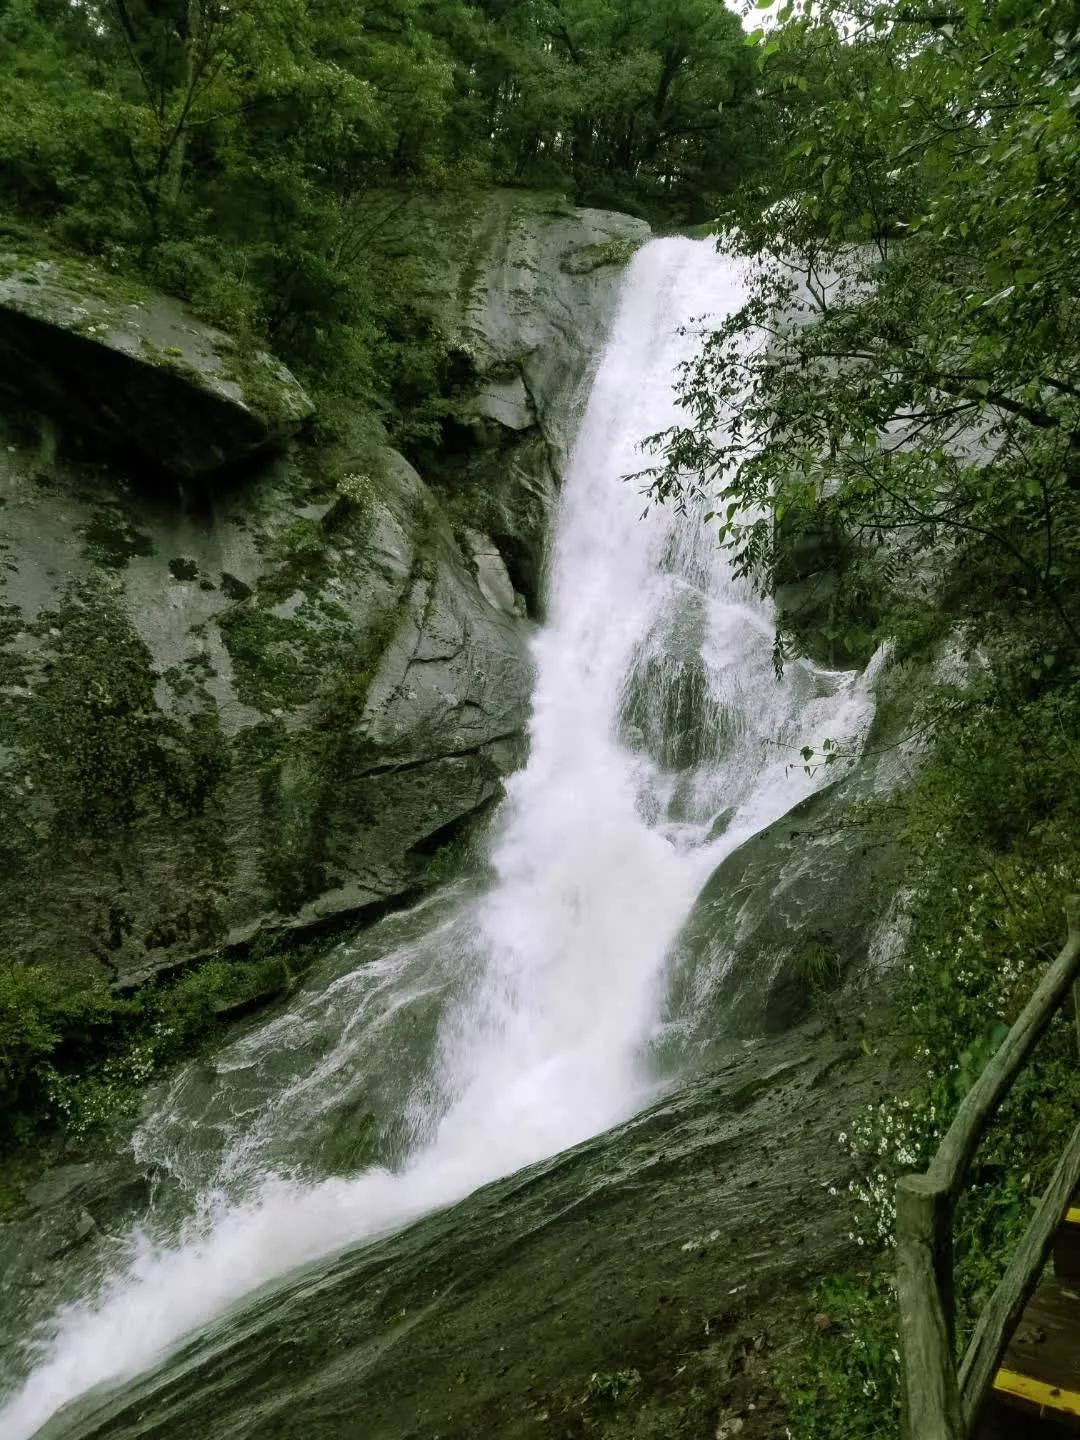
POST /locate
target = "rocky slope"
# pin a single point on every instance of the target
(248, 686)
(651, 1282)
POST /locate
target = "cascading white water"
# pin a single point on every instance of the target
(549, 985)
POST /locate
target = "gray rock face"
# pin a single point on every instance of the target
(263, 704)
(257, 712)
(809, 905)
(529, 321)
(137, 369)
(492, 575)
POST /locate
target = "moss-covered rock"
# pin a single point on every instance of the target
(137, 369)
(584, 259)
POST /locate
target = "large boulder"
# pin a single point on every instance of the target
(258, 715)
(137, 369)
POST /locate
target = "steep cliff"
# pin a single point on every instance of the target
(246, 691)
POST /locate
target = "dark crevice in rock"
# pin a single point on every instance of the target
(453, 832)
(399, 767)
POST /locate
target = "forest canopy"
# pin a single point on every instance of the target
(240, 152)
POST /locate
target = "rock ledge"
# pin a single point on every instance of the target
(137, 369)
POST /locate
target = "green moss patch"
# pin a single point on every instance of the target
(111, 540)
(280, 661)
(587, 258)
(96, 741)
(73, 1060)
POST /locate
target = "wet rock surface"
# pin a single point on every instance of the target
(63, 1222)
(649, 1282)
(812, 906)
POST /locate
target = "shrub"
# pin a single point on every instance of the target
(72, 1061)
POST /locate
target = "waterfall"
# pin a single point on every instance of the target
(486, 1031)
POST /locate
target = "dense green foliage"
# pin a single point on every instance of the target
(907, 364)
(73, 1059)
(848, 1368)
(906, 372)
(255, 157)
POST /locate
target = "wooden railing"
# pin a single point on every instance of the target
(942, 1401)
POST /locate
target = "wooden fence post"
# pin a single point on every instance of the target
(930, 1385)
(930, 1392)
(1072, 920)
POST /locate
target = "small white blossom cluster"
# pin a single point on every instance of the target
(889, 1139)
(989, 960)
(356, 486)
(1012, 972)
(90, 1102)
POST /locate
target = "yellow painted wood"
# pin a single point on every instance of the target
(1037, 1392)
(1072, 1215)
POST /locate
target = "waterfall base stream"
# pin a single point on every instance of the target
(646, 1282)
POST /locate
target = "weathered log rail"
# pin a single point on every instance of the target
(942, 1401)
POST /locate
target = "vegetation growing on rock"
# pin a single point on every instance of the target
(260, 159)
(99, 746)
(73, 1061)
(911, 401)
(592, 257)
